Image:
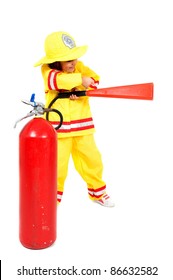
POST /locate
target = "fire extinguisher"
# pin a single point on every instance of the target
(38, 179)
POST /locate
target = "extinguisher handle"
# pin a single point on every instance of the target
(27, 116)
(69, 93)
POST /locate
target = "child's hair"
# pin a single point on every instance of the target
(55, 65)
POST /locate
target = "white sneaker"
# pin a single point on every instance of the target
(105, 201)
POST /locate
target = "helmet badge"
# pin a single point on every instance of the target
(68, 41)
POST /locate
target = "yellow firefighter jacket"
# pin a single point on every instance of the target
(77, 118)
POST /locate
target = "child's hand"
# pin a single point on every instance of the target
(87, 81)
(73, 97)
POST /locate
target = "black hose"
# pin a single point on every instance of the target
(62, 95)
(60, 115)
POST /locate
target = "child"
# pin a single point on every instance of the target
(62, 72)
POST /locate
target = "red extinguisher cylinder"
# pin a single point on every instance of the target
(37, 184)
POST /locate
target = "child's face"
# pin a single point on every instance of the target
(68, 66)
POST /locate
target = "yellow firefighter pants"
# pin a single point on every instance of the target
(87, 161)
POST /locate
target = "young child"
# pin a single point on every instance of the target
(62, 72)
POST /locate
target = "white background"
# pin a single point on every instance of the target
(130, 42)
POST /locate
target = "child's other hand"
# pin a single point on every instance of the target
(73, 97)
(87, 81)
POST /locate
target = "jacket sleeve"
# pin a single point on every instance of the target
(56, 80)
(86, 71)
